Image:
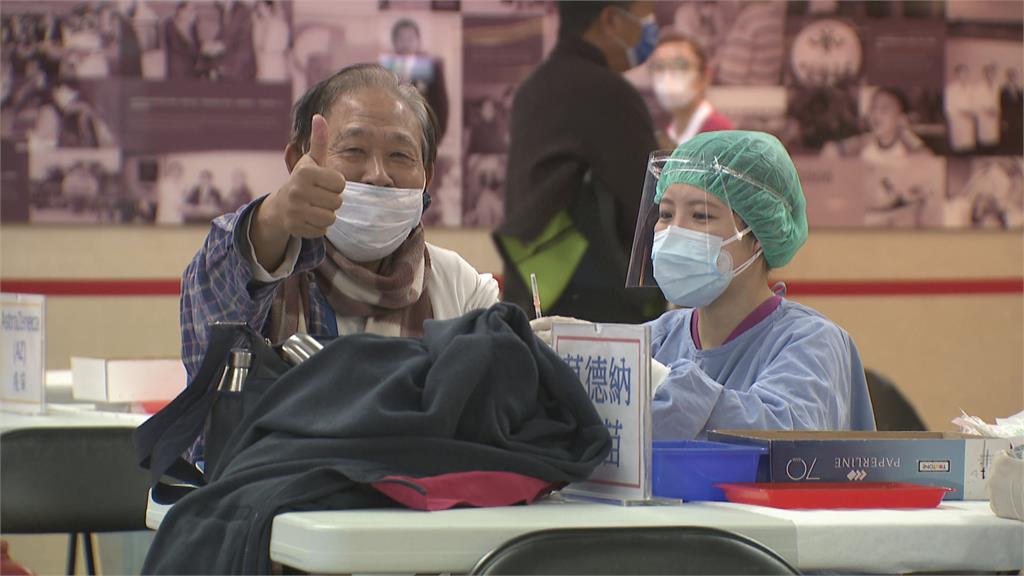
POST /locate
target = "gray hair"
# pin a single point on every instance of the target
(321, 98)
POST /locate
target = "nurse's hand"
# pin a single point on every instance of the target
(542, 326)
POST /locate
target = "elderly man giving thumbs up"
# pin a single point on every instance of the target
(337, 248)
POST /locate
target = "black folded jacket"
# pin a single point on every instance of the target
(477, 393)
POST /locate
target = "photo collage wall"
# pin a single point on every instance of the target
(901, 114)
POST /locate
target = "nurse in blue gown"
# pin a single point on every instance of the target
(718, 214)
(730, 209)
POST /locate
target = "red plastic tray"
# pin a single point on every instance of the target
(835, 494)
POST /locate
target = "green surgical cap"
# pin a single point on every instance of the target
(754, 175)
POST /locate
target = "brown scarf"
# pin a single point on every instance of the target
(394, 300)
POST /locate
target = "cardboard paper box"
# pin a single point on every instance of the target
(104, 380)
(953, 460)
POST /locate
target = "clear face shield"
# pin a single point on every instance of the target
(684, 232)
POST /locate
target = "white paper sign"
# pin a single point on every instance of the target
(613, 362)
(22, 352)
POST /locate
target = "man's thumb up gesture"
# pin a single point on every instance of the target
(304, 206)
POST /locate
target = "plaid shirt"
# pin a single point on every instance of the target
(218, 286)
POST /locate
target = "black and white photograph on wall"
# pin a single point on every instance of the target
(915, 9)
(14, 181)
(498, 54)
(834, 189)
(272, 38)
(424, 49)
(744, 40)
(823, 76)
(887, 131)
(83, 40)
(440, 5)
(991, 11)
(408, 59)
(903, 69)
(497, 7)
(423, 46)
(57, 60)
(856, 90)
(546, 10)
(983, 97)
(328, 36)
(985, 192)
(866, 79)
(484, 190)
(194, 188)
(76, 186)
(485, 142)
(237, 41)
(487, 114)
(60, 112)
(905, 195)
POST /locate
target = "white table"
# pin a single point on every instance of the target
(957, 536)
(70, 416)
(67, 414)
(454, 540)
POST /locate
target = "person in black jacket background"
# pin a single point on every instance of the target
(579, 144)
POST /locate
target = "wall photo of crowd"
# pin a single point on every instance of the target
(865, 95)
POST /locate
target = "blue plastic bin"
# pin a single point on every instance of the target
(689, 469)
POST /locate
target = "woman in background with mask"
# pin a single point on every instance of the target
(680, 76)
(338, 248)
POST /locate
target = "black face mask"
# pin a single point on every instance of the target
(426, 200)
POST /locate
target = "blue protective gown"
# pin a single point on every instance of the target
(793, 370)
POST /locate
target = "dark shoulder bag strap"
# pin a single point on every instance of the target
(161, 440)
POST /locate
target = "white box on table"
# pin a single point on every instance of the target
(114, 380)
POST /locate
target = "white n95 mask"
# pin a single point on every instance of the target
(373, 221)
(675, 89)
(691, 268)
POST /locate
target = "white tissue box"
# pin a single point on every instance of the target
(105, 380)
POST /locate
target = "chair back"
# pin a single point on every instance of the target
(654, 550)
(893, 412)
(78, 479)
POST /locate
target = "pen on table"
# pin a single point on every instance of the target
(536, 295)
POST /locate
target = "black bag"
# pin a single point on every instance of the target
(161, 441)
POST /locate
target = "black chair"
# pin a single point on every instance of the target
(655, 550)
(892, 409)
(73, 480)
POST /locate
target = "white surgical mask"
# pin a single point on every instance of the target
(373, 221)
(691, 268)
(675, 89)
